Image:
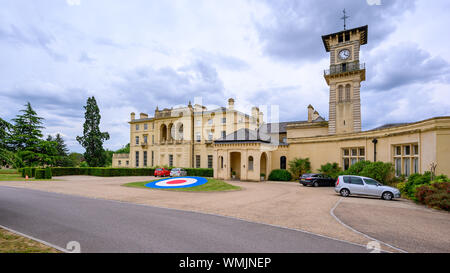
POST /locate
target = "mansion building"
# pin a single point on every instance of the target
(234, 143)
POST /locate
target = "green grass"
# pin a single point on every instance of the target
(8, 171)
(13, 243)
(18, 177)
(211, 185)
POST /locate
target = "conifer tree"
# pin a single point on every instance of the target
(92, 139)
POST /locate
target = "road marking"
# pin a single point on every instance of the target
(359, 232)
(35, 239)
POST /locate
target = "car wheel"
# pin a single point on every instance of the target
(387, 196)
(345, 192)
(316, 184)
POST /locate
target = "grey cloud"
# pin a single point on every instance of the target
(405, 64)
(293, 29)
(220, 60)
(85, 58)
(31, 37)
(148, 87)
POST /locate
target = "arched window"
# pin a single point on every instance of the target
(347, 92)
(340, 93)
(283, 163)
(250, 163)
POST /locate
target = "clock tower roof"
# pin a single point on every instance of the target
(362, 39)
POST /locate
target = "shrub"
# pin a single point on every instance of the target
(40, 174)
(48, 173)
(330, 169)
(280, 175)
(299, 166)
(435, 195)
(383, 172)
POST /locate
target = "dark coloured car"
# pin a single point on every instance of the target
(316, 180)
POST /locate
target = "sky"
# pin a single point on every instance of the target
(138, 54)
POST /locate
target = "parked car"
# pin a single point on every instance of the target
(316, 180)
(359, 185)
(178, 172)
(162, 172)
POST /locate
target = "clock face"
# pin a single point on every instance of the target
(344, 54)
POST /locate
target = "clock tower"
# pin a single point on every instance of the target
(344, 78)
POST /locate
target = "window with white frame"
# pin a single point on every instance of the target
(406, 159)
(352, 155)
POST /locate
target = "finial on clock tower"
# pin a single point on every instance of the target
(345, 17)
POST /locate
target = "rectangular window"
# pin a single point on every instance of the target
(153, 139)
(416, 149)
(145, 139)
(210, 136)
(120, 162)
(170, 160)
(137, 127)
(145, 126)
(362, 152)
(210, 121)
(153, 125)
(407, 150)
(224, 134)
(210, 161)
(346, 152)
(346, 163)
(153, 158)
(137, 159)
(137, 140)
(224, 120)
(415, 165)
(398, 150)
(198, 137)
(398, 166)
(354, 152)
(407, 164)
(127, 162)
(197, 161)
(198, 122)
(145, 158)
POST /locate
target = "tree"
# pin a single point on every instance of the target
(5, 133)
(330, 169)
(92, 139)
(299, 166)
(26, 133)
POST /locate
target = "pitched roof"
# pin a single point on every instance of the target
(244, 135)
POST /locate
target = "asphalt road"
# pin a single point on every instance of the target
(109, 226)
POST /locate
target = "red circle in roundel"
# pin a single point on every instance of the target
(179, 181)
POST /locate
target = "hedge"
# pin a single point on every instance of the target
(280, 175)
(109, 172)
(40, 174)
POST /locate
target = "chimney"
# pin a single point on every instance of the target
(132, 115)
(255, 112)
(315, 115)
(231, 104)
(310, 113)
(143, 115)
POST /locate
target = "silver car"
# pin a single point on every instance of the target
(359, 185)
(178, 172)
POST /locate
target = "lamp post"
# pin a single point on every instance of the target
(374, 141)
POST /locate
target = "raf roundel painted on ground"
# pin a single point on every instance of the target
(177, 182)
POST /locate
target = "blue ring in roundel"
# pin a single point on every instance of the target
(177, 182)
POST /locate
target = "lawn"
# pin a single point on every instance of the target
(13, 243)
(211, 185)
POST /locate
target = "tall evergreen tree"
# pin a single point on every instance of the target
(61, 145)
(92, 139)
(5, 133)
(27, 130)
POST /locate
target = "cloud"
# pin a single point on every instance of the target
(404, 64)
(292, 29)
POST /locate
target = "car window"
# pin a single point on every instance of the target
(370, 181)
(347, 179)
(357, 180)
